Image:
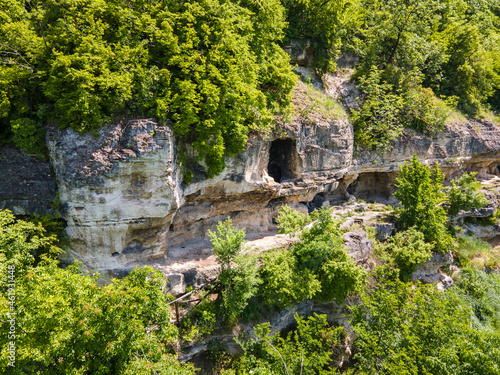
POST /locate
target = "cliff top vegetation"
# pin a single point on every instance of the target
(217, 71)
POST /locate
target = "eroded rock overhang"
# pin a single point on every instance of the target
(124, 200)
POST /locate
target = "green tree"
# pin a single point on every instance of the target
(402, 328)
(283, 283)
(464, 195)
(211, 67)
(309, 349)
(238, 275)
(319, 260)
(325, 23)
(65, 323)
(21, 244)
(377, 122)
(420, 191)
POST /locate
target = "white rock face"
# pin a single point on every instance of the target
(124, 201)
(119, 191)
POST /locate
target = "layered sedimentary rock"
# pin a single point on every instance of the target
(119, 191)
(124, 201)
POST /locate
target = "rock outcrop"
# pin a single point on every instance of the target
(119, 191)
(124, 200)
(430, 271)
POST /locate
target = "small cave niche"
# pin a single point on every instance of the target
(316, 203)
(133, 247)
(372, 187)
(283, 160)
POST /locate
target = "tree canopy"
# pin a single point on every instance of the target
(212, 67)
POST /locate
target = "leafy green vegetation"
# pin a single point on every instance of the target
(22, 243)
(481, 291)
(377, 121)
(309, 349)
(316, 267)
(211, 67)
(407, 249)
(65, 323)
(327, 24)
(464, 195)
(418, 60)
(215, 70)
(421, 196)
(238, 275)
(414, 329)
(428, 206)
(320, 259)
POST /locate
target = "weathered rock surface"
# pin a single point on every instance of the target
(119, 191)
(429, 272)
(125, 203)
(358, 245)
(28, 185)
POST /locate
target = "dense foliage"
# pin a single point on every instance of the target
(309, 349)
(414, 329)
(212, 67)
(326, 24)
(407, 249)
(428, 206)
(316, 267)
(65, 323)
(464, 195)
(238, 275)
(319, 262)
(421, 196)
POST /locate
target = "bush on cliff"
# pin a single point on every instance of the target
(317, 267)
(238, 275)
(420, 191)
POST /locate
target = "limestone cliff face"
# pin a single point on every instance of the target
(124, 201)
(119, 191)
(461, 147)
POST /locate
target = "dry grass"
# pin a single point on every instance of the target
(313, 105)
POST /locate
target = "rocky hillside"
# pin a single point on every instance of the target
(124, 200)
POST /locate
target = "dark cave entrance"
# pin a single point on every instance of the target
(373, 186)
(283, 159)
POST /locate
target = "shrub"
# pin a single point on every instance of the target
(421, 196)
(464, 195)
(423, 111)
(309, 349)
(320, 259)
(238, 275)
(282, 281)
(408, 249)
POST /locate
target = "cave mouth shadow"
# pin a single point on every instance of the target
(283, 160)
